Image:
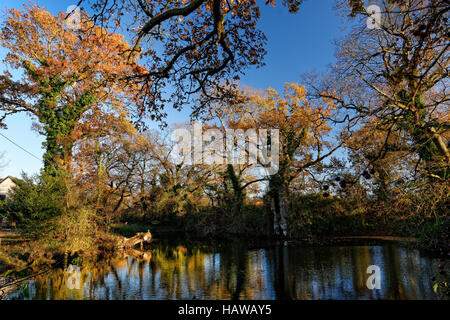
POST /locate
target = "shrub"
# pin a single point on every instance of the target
(35, 201)
(434, 233)
(206, 221)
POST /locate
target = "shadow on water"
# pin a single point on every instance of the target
(177, 270)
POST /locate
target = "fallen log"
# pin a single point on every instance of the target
(6, 289)
(139, 238)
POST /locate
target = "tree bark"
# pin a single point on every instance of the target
(441, 144)
(284, 211)
(280, 210)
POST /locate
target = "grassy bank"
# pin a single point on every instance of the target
(313, 219)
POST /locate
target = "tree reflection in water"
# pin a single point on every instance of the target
(233, 271)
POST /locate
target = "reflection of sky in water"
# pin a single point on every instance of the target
(233, 272)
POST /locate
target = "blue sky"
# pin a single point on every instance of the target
(297, 43)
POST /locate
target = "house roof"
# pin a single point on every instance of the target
(4, 179)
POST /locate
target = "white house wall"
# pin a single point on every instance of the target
(6, 186)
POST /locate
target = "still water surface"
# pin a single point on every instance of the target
(234, 271)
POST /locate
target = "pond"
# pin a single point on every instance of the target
(235, 271)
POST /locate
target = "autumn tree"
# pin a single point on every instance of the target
(238, 181)
(303, 144)
(104, 159)
(190, 46)
(126, 170)
(380, 171)
(233, 178)
(66, 75)
(175, 185)
(396, 74)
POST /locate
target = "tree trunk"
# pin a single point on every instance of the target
(276, 224)
(284, 211)
(280, 208)
(139, 238)
(440, 144)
